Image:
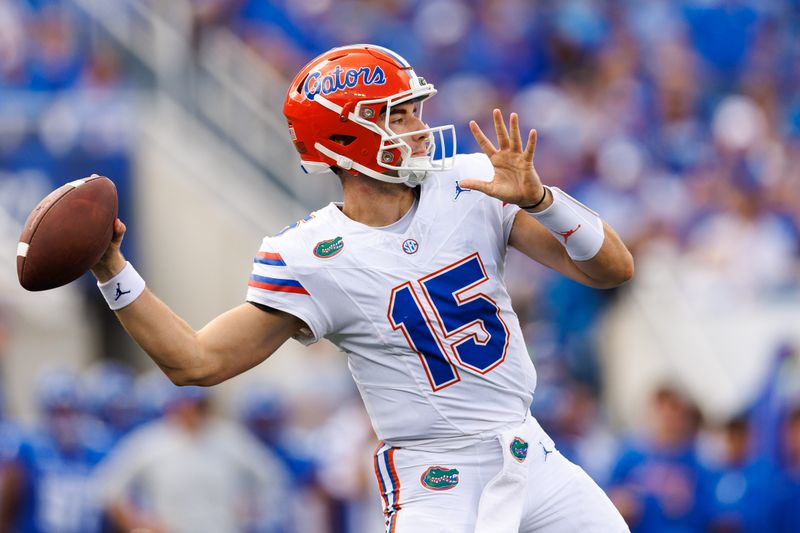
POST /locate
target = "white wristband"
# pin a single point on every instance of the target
(122, 289)
(575, 226)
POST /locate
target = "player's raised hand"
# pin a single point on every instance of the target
(112, 261)
(515, 179)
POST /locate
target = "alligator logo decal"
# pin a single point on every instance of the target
(329, 248)
(519, 449)
(439, 478)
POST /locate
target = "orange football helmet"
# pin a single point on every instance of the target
(338, 110)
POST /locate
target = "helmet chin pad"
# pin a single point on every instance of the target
(417, 169)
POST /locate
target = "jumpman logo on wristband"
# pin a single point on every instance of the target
(568, 234)
(120, 292)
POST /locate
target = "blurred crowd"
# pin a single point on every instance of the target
(679, 121)
(682, 472)
(65, 108)
(112, 450)
(115, 451)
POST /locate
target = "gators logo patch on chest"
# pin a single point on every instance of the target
(439, 478)
(329, 248)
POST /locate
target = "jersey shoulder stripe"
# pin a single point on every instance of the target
(268, 258)
(276, 284)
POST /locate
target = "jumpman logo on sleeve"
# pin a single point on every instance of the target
(120, 292)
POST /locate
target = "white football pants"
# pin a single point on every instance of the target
(514, 482)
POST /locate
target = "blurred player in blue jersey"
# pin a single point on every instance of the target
(48, 486)
(406, 277)
(107, 392)
(263, 413)
(656, 480)
(741, 487)
(787, 511)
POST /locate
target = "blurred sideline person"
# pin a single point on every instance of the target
(787, 515)
(656, 481)
(740, 492)
(190, 472)
(107, 391)
(267, 416)
(346, 472)
(406, 277)
(46, 486)
(576, 423)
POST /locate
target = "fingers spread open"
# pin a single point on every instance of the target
(500, 127)
(483, 141)
(516, 139)
(530, 149)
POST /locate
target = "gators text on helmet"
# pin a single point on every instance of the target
(338, 110)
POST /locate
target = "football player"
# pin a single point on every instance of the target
(406, 277)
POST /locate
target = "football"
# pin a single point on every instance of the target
(66, 233)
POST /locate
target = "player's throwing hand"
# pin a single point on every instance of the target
(112, 261)
(515, 179)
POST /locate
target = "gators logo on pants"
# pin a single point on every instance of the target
(439, 478)
(519, 449)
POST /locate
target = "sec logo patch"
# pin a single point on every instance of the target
(410, 246)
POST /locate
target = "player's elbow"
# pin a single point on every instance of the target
(197, 376)
(625, 270)
(184, 380)
(622, 272)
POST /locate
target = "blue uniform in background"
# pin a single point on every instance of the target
(787, 507)
(666, 484)
(56, 491)
(741, 497)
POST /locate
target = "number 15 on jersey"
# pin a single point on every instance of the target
(446, 328)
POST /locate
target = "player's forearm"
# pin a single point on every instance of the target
(169, 341)
(228, 345)
(231, 343)
(613, 264)
(591, 245)
(164, 336)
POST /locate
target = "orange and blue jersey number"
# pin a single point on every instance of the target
(447, 329)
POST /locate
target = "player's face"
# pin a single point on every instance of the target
(405, 118)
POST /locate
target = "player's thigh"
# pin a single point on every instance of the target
(432, 493)
(562, 498)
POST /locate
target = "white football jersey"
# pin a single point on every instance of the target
(422, 312)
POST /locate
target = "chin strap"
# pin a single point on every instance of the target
(411, 177)
(419, 171)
